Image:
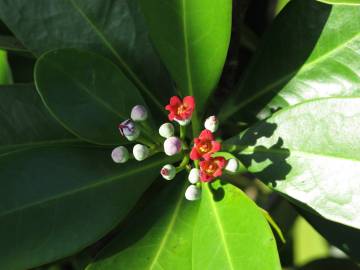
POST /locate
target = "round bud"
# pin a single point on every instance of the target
(139, 113)
(194, 176)
(193, 193)
(232, 165)
(172, 146)
(166, 130)
(140, 152)
(120, 154)
(168, 172)
(211, 123)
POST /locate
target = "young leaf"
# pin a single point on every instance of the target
(310, 153)
(162, 233)
(341, 2)
(86, 93)
(176, 234)
(5, 72)
(63, 192)
(114, 29)
(311, 51)
(192, 38)
(231, 232)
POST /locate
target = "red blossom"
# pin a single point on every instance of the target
(204, 146)
(180, 110)
(212, 168)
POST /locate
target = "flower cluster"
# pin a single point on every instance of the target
(205, 166)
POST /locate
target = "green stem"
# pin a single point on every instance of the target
(273, 224)
(183, 163)
(182, 132)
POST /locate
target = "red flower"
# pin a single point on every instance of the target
(204, 146)
(212, 168)
(180, 110)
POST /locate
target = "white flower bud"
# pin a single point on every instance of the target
(211, 123)
(194, 176)
(140, 152)
(129, 129)
(166, 130)
(172, 146)
(120, 154)
(232, 165)
(139, 113)
(193, 193)
(183, 122)
(168, 172)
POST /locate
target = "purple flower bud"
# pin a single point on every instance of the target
(172, 146)
(120, 154)
(139, 113)
(129, 129)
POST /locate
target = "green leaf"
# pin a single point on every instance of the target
(113, 28)
(310, 153)
(10, 43)
(231, 232)
(173, 233)
(5, 72)
(311, 51)
(86, 93)
(24, 120)
(345, 238)
(161, 233)
(341, 2)
(63, 199)
(192, 41)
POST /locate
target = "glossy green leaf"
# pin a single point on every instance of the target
(310, 152)
(231, 233)
(341, 2)
(161, 233)
(64, 198)
(113, 28)
(86, 93)
(173, 233)
(25, 122)
(192, 38)
(311, 51)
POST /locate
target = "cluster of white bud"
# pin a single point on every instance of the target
(130, 130)
(166, 130)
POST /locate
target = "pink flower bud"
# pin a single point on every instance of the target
(129, 129)
(172, 146)
(139, 113)
(120, 154)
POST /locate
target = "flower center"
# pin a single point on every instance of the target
(211, 168)
(205, 147)
(182, 109)
(165, 172)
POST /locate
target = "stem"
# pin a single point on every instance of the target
(183, 163)
(182, 132)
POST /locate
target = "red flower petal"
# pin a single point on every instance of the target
(206, 135)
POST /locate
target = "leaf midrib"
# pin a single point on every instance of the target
(250, 150)
(220, 229)
(100, 183)
(268, 88)
(168, 230)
